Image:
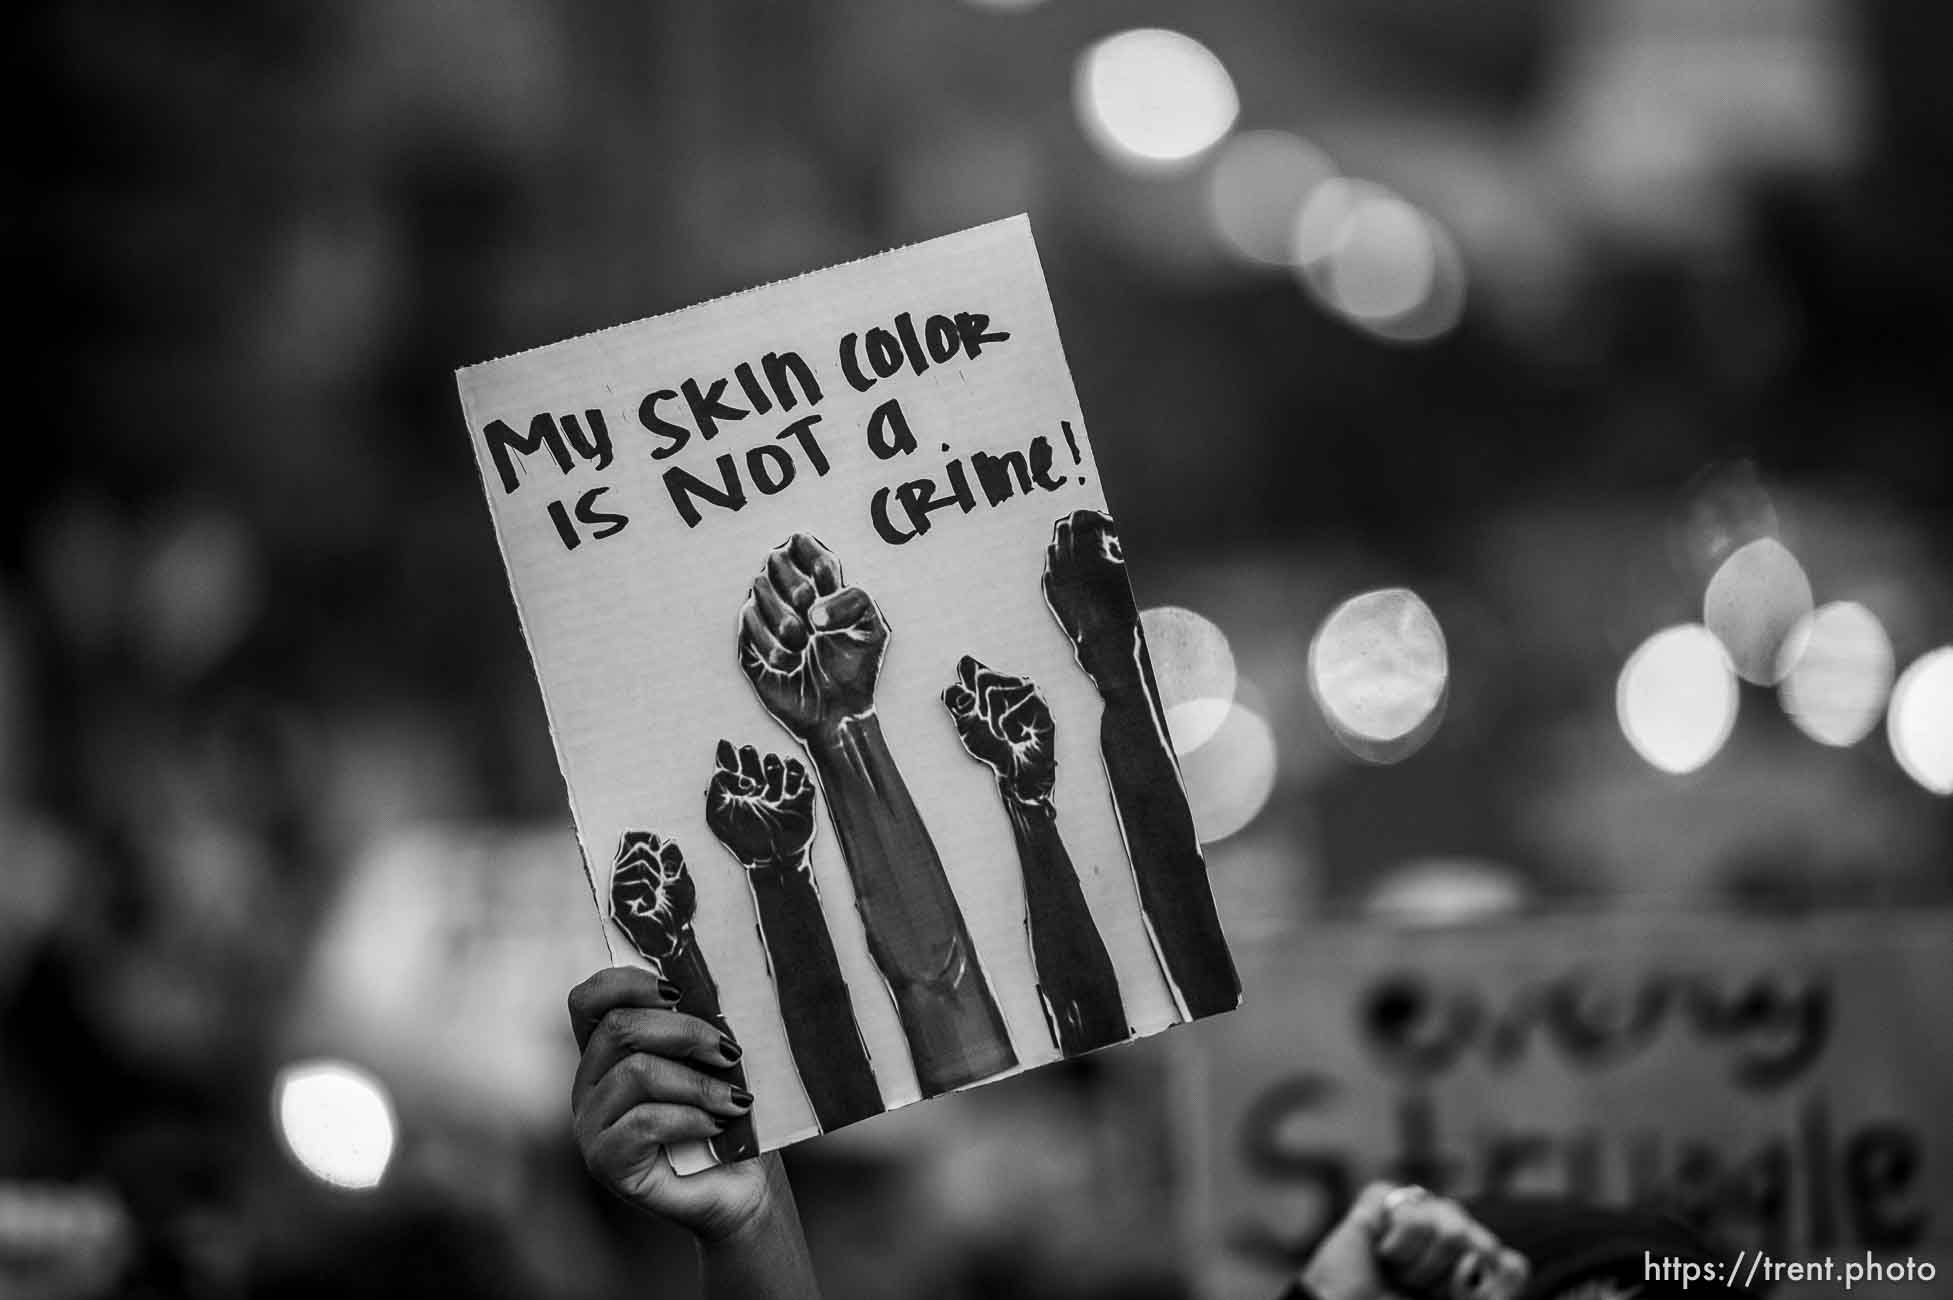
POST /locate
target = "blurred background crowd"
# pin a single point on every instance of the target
(1527, 421)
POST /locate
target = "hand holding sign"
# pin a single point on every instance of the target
(812, 648)
(649, 1076)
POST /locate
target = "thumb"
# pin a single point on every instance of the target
(846, 608)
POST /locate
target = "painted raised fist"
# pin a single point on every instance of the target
(1006, 724)
(652, 896)
(811, 647)
(1085, 586)
(762, 809)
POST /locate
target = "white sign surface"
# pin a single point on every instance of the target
(845, 679)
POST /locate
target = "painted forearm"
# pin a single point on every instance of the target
(1075, 975)
(1161, 839)
(814, 1002)
(915, 930)
(698, 996)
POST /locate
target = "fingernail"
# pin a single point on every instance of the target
(728, 1048)
(667, 990)
(741, 1098)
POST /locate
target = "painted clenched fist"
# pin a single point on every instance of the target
(812, 647)
(1085, 586)
(761, 808)
(1006, 724)
(652, 896)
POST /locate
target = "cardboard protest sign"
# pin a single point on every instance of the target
(1780, 1082)
(846, 680)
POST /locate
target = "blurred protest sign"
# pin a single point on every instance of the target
(1783, 1083)
(847, 682)
(443, 965)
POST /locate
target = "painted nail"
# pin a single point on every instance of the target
(741, 1098)
(728, 1048)
(667, 990)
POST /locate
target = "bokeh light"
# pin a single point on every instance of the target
(1378, 669)
(1725, 506)
(1677, 698)
(1383, 263)
(1260, 183)
(1378, 261)
(1439, 308)
(1754, 600)
(1230, 778)
(1153, 99)
(1836, 669)
(336, 1121)
(1920, 721)
(1441, 891)
(1194, 668)
(1319, 221)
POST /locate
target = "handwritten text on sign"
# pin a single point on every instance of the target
(699, 409)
